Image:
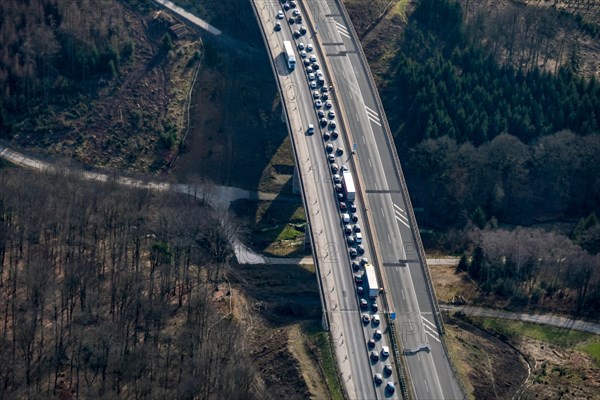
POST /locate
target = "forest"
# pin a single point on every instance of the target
(109, 292)
(520, 144)
(535, 268)
(51, 50)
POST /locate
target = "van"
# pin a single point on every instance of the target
(345, 218)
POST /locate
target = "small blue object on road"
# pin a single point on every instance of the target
(393, 316)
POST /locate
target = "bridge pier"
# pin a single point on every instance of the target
(296, 188)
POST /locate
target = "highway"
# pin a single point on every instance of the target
(349, 334)
(429, 371)
(384, 209)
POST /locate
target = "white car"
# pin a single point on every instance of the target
(303, 54)
(311, 76)
(300, 46)
(313, 58)
(376, 319)
(385, 351)
(309, 47)
(358, 238)
(280, 15)
(345, 218)
(314, 85)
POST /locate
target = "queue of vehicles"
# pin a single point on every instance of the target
(344, 186)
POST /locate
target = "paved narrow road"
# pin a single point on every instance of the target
(542, 319)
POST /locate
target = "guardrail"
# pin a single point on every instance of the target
(304, 201)
(413, 222)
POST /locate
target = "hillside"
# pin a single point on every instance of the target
(99, 82)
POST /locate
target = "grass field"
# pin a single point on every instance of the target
(565, 338)
(321, 340)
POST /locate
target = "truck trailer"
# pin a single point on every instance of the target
(371, 281)
(348, 184)
(289, 53)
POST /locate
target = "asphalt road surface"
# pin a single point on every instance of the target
(429, 368)
(351, 335)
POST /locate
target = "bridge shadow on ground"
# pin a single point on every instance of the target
(282, 294)
(236, 126)
(274, 228)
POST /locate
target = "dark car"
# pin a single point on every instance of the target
(354, 217)
(334, 134)
(343, 206)
(326, 136)
(360, 290)
(387, 369)
(378, 379)
(355, 266)
(358, 279)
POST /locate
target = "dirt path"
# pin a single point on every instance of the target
(311, 374)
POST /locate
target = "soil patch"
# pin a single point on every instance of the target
(134, 121)
(490, 368)
(279, 305)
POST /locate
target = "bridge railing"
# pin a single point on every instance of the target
(346, 133)
(400, 175)
(296, 157)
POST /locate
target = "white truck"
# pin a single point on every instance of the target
(289, 52)
(371, 281)
(348, 184)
